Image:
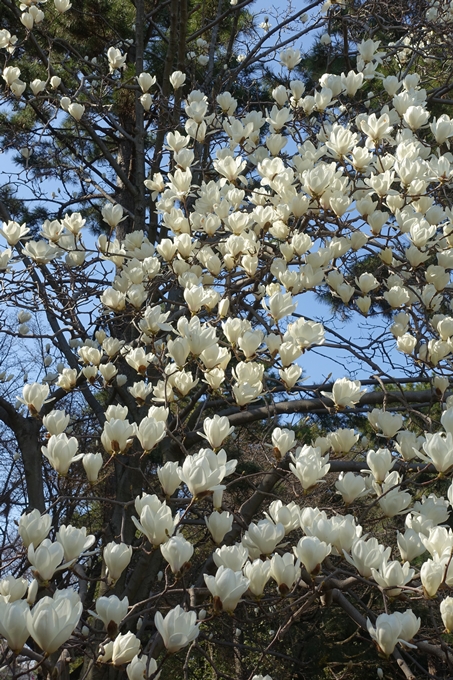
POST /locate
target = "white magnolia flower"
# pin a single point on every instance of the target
(178, 629)
(52, 620)
(345, 393)
(438, 450)
(386, 632)
(34, 396)
(205, 470)
(227, 588)
(177, 551)
(216, 430)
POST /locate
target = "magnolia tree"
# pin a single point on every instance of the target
(177, 500)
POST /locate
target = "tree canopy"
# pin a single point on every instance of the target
(226, 411)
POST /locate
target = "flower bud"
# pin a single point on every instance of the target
(92, 463)
(32, 592)
(116, 557)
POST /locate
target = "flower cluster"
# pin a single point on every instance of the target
(178, 344)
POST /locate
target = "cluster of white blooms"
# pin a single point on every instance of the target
(212, 318)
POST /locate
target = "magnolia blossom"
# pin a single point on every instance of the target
(139, 666)
(309, 466)
(231, 556)
(280, 305)
(74, 541)
(13, 623)
(380, 463)
(178, 629)
(391, 574)
(219, 524)
(262, 538)
(408, 444)
(13, 588)
(111, 610)
(61, 452)
(52, 621)
(34, 396)
(112, 214)
(342, 440)
(156, 521)
(446, 611)
(216, 430)
(283, 440)
(177, 79)
(227, 588)
(169, 477)
(56, 422)
(290, 58)
(116, 557)
(288, 515)
(146, 81)
(116, 435)
(125, 647)
(14, 232)
(62, 5)
(438, 450)
(76, 110)
(258, 574)
(116, 59)
(387, 422)
(150, 432)
(410, 625)
(343, 531)
(393, 501)
(285, 571)
(345, 392)
(92, 463)
(204, 471)
(432, 574)
(386, 632)
(177, 551)
(34, 527)
(311, 552)
(410, 545)
(367, 555)
(45, 559)
(351, 486)
(438, 542)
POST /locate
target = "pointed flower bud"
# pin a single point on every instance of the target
(169, 477)
(177, 551)
(117, 557)
(216, 430)
(219, 524)
(446, 612)
(13, 623)
(311, 552)
(92, 463)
